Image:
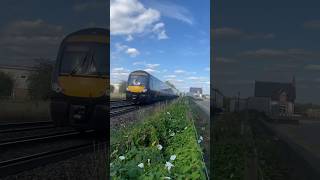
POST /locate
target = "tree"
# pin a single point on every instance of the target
(39, 82)
(6, 84)
(111, 88)
(123, 87)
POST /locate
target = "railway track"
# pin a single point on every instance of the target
(25, 126)
(19, 164)
(16, 165)
(121, 107)
(38, 138)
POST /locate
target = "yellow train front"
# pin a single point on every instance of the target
(143, 88)
(80, 81)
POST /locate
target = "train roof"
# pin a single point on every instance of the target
(141, 71)
(88, 31)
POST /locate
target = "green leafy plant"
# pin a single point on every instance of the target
(163, 146)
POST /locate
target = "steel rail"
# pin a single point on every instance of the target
(16, 165)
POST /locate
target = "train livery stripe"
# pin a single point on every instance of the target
(136, 89)
(83, 86)
(89, 38)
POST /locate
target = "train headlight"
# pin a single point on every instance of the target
(56, 88)
(144, 90)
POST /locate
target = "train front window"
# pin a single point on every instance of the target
(84, 60)
(135, 80)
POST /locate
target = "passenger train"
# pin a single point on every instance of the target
(143, 88)
(80, 80)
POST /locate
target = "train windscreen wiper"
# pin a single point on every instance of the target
(76, 69)
(94, 63)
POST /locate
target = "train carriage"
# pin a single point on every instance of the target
(80, 80)
(144, 88)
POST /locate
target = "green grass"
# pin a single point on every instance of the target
(229, 147)
(171, 128)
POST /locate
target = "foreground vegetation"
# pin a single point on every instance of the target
(163, 146)
(245, 147)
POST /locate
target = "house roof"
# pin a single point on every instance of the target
(274, 89)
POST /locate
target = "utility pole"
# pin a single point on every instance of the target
(238, 104)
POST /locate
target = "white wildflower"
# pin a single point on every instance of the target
(173, 157)
(141, 165)
(201, 138)
(172, 134)
(159, 147)
(167, 177)
(199, 141)
(168, 165)
(186, 127)
(168, 113)
(122, 158)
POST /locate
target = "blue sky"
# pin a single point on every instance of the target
(169, 39)
(267, 41)
(34, 29)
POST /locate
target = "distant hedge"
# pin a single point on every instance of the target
(6, 84)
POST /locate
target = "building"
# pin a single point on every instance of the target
(274, 97)
(195, 90)
(238, 104)
(20, 75)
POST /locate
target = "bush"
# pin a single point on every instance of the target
(39, 82)
(111, 88)
(123, 87)
(174, 131)
(6, 84)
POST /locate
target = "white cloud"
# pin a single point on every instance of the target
(129, 38)
(193, 78)
(130, 17)
(152, 66)
(179, 71)
(139, 63)
(160, 31)
(207, 69)
(170, 76)
(175, 81)
(149, 70)
(132, 52)
(120, 47)
(199, 79)
(173, 10)
(118, 69)
(25, 40)
(119, 74)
